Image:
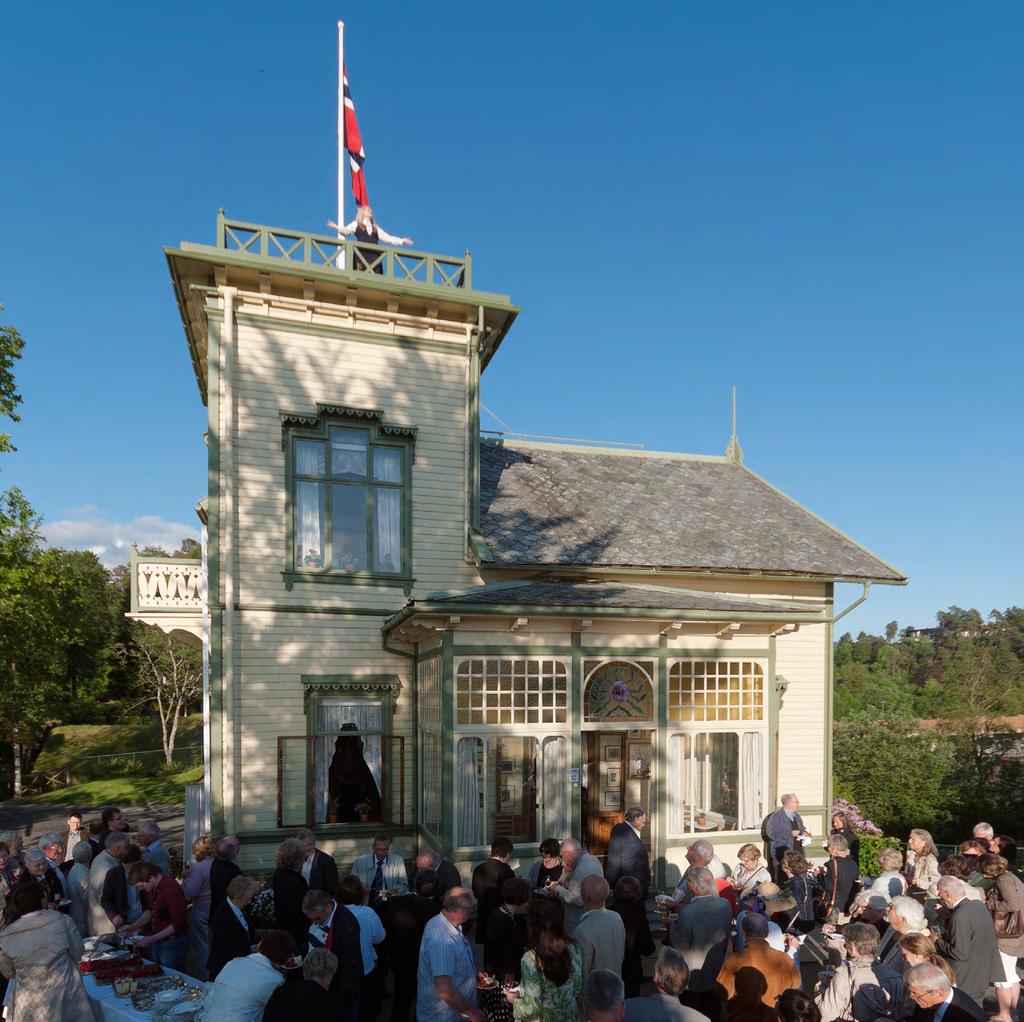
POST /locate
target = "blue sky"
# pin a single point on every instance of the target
(818, 203)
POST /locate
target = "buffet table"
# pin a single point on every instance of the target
(108, 1007)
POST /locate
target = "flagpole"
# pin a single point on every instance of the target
(341, 138)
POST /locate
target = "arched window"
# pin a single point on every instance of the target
(619, 691)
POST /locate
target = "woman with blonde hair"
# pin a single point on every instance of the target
(365, 228)
(289, 887)
(922, 865)
(919, 948)
(750, 872)
(196, 886)
(890, 883)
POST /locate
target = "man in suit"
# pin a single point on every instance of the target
(99, 921)
(670, 976)
(448, 875)
(319, 869)
(78, 885)
(969, 943)
(700, 934)
(231, 932)
(147, 836)
(52, 846)
(337, 929)
(782, 831)
(488, 877)
(627, 855)
(223, 870)
(936, 1000)
(381, 870)
(600, 933)
(577, 865)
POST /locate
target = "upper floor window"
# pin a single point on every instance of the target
(350, 495)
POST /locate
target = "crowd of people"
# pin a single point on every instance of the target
(770, 939)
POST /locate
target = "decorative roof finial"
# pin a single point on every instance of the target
(734, 453)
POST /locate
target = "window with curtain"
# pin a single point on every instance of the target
(716, 781)
(430, 781)
(347, 763)
(350, 499)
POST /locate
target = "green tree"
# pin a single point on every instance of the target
(12, 344)
(891, 631)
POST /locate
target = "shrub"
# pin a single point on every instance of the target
(867, 854)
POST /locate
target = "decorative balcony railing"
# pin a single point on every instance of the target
(166, 584)
(324, 251)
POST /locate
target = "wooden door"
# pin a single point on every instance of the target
(606, 775)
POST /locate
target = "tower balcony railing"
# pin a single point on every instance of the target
(165, 585)
(327, 252)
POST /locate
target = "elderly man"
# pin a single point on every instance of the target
(39, 870)
(758, 972)
(670, 976)
(702, 854)
(627, 854)
(984, 832)
(446, 977)
(381, 870)
(147, 837)
(604, 997)
(75, 834)
(337, 929)
(223, 870)
(577, 865)
(319, 869)
(969, 943)
(116, 846)
(782, 831)
(905, 916)
(447, 872)
(700, 934)
(936, 1000)
(861, 988)
(309, 999)
(78, 885)
(600, 933)
(51, 845)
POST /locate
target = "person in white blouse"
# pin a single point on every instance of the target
(365, 228)
(244, 985)
(750, 871)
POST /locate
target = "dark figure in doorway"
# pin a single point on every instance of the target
(349, 779)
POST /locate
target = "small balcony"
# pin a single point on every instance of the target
(167, 593)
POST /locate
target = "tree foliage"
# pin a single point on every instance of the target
(12, 344)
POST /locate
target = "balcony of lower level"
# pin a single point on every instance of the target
(167, 593)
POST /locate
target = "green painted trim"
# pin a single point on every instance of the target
(774, 706)
(474, 424)
(291, 578)
(737, 836)
(593, 652)
(180, 299)
(448, 740)
(829, 699)
(314, 420)
(414, 771)
(216, 637)
(630, 613)
(289, 608)
(512, 650)
(575, 733)
(681, 654)
(661, 761)
(327, 830)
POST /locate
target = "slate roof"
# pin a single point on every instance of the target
(545, 504)
(617, 595)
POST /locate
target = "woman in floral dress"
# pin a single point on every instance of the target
(552, 968)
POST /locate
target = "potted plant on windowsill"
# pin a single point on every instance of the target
(332, 811)
(362, 810)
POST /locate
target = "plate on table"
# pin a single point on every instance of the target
(64, 903)
(295, 962)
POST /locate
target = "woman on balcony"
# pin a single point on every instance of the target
(365, 228)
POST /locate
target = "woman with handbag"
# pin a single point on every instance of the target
(1005, 900)
(838, 877)
(922, 865)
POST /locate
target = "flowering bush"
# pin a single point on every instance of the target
(858, 824)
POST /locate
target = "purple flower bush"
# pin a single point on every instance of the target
(857, 822)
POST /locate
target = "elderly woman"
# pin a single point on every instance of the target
(1006, 895)
(922, 865)
(41, 951)
(164, 923)
(839, 876)
(841, 825)
(750, 871)
(862, 988)
(797, 870)
(890, 884)
(549, 867)
(78, 885)
(289, 889)
(196, 887)
(905, 916)
(231, 932)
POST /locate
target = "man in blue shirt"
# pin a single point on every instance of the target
(782, 830)
(446, 980)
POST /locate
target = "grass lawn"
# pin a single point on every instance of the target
(124, 791)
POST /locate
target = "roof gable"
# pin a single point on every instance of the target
(549, 505)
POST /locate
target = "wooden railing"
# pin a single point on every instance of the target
(166, 584)
(327, 251)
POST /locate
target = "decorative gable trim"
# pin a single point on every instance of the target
(385, 687)
(374, 415)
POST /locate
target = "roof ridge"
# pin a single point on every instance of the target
(614, 451)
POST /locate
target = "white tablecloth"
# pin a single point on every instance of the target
(108, 1007)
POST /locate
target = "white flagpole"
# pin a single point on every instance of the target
(342, 155)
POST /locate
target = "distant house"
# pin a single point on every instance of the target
(414, 630)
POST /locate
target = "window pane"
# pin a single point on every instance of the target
(753, 780)
(387, 546)
(309, 458)
(430, 745)
(348, 766)
(555, 787)
(716, 769)
(387, 465)
(348, 527)
(348, 453)
(512, 789)
(469, 791)
(309, 525)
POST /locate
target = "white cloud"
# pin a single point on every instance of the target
(89, 528)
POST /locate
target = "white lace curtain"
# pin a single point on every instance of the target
(555, 787)
(387, 554)
(309, 524)
(331, 714)
(467, 788)
(751, 779)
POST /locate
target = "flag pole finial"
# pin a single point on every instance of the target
(734, 453)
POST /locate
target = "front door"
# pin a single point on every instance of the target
(618, 776)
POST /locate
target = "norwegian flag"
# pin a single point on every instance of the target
(354, 146)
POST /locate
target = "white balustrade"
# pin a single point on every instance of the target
(168, 584)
